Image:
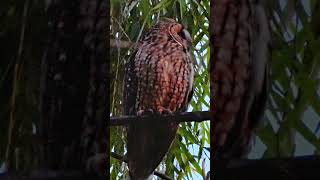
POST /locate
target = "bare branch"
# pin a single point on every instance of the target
(124, 159)
(197, 116)
(301, 167)
(47, 174)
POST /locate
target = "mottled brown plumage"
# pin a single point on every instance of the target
(159, 78)
(239, 73)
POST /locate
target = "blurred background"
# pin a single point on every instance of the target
(53, 88)
(291, 122)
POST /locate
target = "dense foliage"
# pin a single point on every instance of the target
(294, 103)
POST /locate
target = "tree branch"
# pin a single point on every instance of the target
(198, 116)
(47, 174)
(124, 159)
(303, 167)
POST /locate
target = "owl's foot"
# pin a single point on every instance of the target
(164, 111)
(145, 112)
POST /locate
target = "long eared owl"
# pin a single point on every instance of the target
(159, 79)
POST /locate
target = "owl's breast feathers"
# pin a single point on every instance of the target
(161, 79)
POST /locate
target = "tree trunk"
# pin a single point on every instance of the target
(73, 93)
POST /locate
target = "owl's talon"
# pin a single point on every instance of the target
(145, 112)
(164, 111)
(167, 112)
(140, 112)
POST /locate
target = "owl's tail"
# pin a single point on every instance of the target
(134, 178)
(148, 143)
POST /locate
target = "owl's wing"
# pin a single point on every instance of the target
(238, 141)
(255, 98)
(129, 87)
(190, 91)
(187, 101)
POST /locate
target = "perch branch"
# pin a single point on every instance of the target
(47, 174)
(302, 167)
(198, 116)
(124, 159)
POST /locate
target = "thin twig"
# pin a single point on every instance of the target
(198, 116)
(114, 43)
(124, 159)
(15, 86)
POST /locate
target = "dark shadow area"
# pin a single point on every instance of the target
(54, 89)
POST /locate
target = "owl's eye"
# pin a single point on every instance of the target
(186, 35)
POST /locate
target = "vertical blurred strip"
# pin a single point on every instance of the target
(239, 74)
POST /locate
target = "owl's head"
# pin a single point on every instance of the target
(177, 31)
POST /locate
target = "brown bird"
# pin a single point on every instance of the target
(239, 73)
(158, 79)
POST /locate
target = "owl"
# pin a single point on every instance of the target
(239, 74)
(158, 79)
